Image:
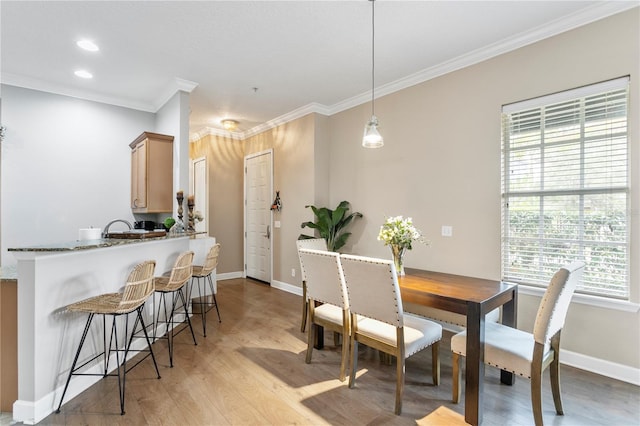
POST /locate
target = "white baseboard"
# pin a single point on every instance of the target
(229, 275)
(602, 367)
(289, 288)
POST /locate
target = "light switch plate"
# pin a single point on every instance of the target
(447, 231)
(276, 224)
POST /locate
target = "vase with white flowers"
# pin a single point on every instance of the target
(399, 234)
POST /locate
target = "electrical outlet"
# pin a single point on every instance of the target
(447, 231)
(293, 272)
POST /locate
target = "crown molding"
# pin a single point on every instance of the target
(212, 131)
(177, 85)
(313, 107)
(46, 86)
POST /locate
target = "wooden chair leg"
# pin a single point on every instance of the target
(536, 383)
(353, 363)
(385, 358)
(536, 392)
(311, 338)
(400, 369)
(554, 371)
(305, 307)
(344, 360)
(336, 338)
(435, 363)
(536, 398)
(555, 386)
(457, 376)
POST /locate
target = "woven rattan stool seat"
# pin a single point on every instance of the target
(102, 304)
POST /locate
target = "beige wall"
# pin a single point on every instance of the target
(441, 165)
(225, 177)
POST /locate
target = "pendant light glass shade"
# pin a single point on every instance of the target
(372, 138)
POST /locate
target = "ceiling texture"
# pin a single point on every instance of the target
(264, 62)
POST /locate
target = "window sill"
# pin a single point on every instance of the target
(585, 299)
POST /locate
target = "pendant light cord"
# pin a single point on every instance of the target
(373, 55)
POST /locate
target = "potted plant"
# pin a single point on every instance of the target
(331, 224)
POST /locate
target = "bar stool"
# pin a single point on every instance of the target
(137, 290)
(204, 272)
(174, 284)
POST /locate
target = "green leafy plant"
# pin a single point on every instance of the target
(331, 224)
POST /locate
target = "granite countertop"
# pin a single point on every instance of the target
(94, 244)
(8, 273)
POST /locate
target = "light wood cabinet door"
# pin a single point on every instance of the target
(139, 176)
(152, 173)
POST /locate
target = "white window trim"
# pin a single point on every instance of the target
(579, 92)
(586, 299)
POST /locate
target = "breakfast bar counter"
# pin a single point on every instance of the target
(52, 276)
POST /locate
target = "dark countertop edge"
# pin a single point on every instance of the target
(96, 244)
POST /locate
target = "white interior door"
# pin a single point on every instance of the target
(258, 191)
(199, 189)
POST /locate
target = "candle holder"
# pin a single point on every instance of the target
(180, 198)
(191, 204)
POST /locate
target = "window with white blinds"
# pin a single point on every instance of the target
(565, 188)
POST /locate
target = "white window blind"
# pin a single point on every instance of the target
(565, 188)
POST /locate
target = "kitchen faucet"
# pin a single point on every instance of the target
(106, 228)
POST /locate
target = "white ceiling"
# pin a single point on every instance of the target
(302, 56)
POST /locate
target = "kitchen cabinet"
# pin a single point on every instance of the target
(152, 173)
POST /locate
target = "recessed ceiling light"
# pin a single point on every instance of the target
(88, 45)
(83, 74)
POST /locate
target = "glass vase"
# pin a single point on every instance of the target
(398, 254)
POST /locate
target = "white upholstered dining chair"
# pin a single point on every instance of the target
(528, 354)
(325, 284)
(374, 295)
(313, 244)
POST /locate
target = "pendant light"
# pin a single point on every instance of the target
(372, 138)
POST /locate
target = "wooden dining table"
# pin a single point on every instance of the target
(474, 298)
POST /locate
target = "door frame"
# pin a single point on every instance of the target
(193, 184)
(246, 158)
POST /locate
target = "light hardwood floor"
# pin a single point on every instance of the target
(250, 370)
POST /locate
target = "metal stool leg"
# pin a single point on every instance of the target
(215, 301)
(146, 336)
(121, 371)
(203, 306)
(181, 294)
(75, 359)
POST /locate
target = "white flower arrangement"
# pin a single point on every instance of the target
(400, 232)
